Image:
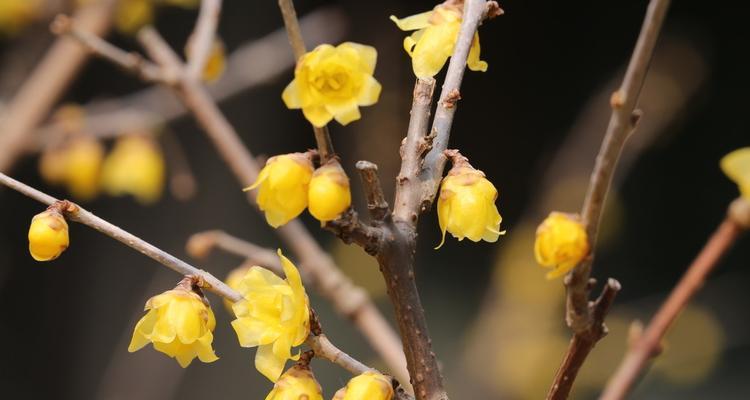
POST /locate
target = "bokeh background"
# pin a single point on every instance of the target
(533, 123)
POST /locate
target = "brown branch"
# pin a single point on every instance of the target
(648, 344)
(376, 204)
(202, 39)
(47, 82)
(322, 137)
(584, 319)
(129, 61)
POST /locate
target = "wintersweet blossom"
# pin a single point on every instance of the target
(329, 193)
(369, 385)
(48, 235)
(180, 324)
(434, 40)
(333, 82)
(282, 187)
(135, 166)
(736, 165)
(561, 243)
(76, 164)
(466, 205)
(297, 383)
(274, 316)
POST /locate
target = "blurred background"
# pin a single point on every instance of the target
(533, 123)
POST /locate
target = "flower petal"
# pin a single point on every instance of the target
(268, 364)
(344, 113)
(291, 96)
(413, 22)
(473, 62)
(370, 92)
(317, 115)
(366, 56)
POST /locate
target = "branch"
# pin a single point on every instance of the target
(47, 82)
(200, 244)
(376, 204)
(648, 344)
(202, 39)
(129, 61)
(587, 320)
(322, 137)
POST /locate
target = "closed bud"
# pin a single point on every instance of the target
(466, 206)
(736, 165)
(561, 243)
(282, 187)
(136, 167)
(179, 323)
(369, 385)
(48, 235)
(329, 194)
(295, 384)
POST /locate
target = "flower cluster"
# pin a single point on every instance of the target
(288, 184)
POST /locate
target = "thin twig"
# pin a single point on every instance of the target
(322, 137)
(182, 181)
(648, 344)
(324, 348)
(200, 244)
(583, 317)
(47, 82)
(128, 61)
(202, 39)
(376, 204)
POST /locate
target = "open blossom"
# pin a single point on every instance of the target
(297, 383)
(135, 166)
(282, 187)
(329, 193)
(561, 243)
(434, 39)
(369, 385)
(274, 316)
(466, 205)
(48, 235)
(180, 324)
(332, 82)
(736, 165)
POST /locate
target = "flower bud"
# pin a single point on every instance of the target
(736, 165)
(561, 243)
(84, 157)
(282, 187)
(296, 383)
(329, 194)
(136, 167)
(48, 235)
(466, 206)
(369, 385)
(179, 323)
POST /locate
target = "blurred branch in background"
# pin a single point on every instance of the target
(47, 82)
(250, 65)
(647, 343)
(517, 323)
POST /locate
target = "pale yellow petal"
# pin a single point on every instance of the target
(344, 113)
(268, 364)
(433, 49)
(252, 333)
(366, 56)
(370, 92)
(291, 96)
(473, 62)
(317, 115)
(413, 22)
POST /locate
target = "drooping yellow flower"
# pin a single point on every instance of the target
(274, 315)
(282, 187)
(17, 14)
(434, 39)
(466, 205)
(561, 243)
(48, 235)
(329, 193)
(736, 165)
(132, 15)
(180, 324)
(296, 383)
(369, 385)
(332, 82)
(136, 167)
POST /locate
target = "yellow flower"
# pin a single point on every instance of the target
(369, 385)
(132, 15)
(561, 243)
(179, 323)
(136, 167)
(736, 165)
(466, 206)
(274, 315)
(233, 280)
(17, 14)
(434, 39)
(332, 82)
(282, 187)
(48, 235)
(296, 383)
(329, 194)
